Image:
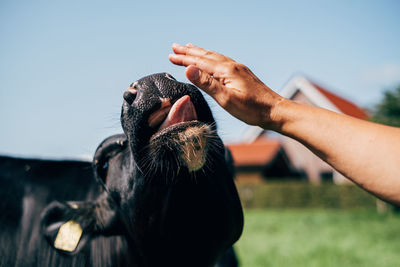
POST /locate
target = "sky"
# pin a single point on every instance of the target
(64, 65)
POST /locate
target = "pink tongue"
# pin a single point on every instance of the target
(182, 110)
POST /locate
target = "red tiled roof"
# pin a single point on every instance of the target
(342, 104)
(258, 153)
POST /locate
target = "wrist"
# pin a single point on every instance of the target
(278, 115)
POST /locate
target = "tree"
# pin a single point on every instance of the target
(388, 111)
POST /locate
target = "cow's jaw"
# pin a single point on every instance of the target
(187, 141)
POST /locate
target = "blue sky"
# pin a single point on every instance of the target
(65, 64)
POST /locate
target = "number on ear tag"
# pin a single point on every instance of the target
(68, 236)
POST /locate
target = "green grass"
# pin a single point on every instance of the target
(319, 238)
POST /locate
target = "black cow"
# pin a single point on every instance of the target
(162, 193)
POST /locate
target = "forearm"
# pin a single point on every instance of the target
(365, 152)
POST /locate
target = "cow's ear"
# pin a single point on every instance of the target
(106, 150)
(69, 226)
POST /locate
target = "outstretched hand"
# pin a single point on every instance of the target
(231, 84)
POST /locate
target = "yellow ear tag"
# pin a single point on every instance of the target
(68, 236)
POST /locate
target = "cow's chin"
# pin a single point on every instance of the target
(182, 147)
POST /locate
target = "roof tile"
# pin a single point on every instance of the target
(342, 104)
(260, 152)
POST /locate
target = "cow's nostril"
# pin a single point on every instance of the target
(129, 97)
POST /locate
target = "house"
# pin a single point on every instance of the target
(264, 157)
(261, 157)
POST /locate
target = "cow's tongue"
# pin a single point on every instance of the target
(182, 110)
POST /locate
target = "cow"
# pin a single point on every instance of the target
(159, 194)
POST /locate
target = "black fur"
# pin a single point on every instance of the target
(143, 209)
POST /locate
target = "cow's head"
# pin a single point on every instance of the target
(168, 188)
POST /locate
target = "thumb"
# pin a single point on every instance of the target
(204, 81)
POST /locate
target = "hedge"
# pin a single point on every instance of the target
(304, 195)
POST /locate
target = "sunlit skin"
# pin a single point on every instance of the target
(365, 152)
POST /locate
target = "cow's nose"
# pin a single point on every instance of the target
(130, 95)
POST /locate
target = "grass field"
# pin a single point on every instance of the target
(319, 238)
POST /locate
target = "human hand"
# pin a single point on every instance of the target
(231, 84)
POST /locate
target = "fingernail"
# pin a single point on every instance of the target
(194, 73)
(176, 45)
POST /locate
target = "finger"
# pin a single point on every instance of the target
(212, 54)
(192, 50)
(189, 49)
(205, 64)
(205, 81)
